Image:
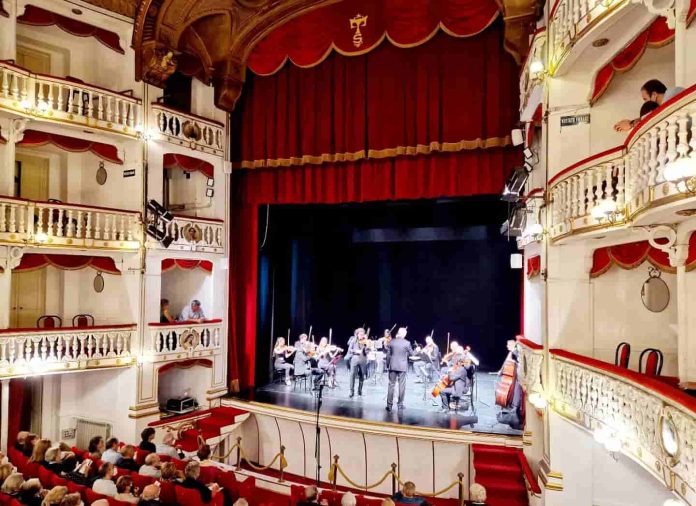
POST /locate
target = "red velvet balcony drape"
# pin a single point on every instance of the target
(36, 138)
(169, 264)
(33, 261)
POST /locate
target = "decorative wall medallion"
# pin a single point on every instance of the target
(655, 292)
(355, 23)
(101, 174)
(192, 131)
(190, 339)
(192, 233)
(98, 283)
(669, 439)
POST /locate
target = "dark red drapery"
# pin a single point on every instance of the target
(447, 95)
(169, 264)
(308, 39)
(32, 261)
(41, 17)
(188, 164)
(533, 266)
(3, 12)
(186, 364)
(107, 152)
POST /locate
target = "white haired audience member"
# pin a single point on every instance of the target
(477, 495)
(348, 499)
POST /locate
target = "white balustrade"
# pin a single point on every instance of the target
(66, 100)
(653, 426)
(195, 234)
(532, 75)
(188, 130)
(180, 340)
(29, 351)
(628, 176)
(68, 224)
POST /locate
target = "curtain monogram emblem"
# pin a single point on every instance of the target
(356, 22)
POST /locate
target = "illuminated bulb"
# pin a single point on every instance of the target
(42, 106)
(538, 400)
(25, 104)
(536, 229)
(41, 237)
(673, 502)
(603, 209)
(140, 128)
(601, 435)
(536, 67)
(612, 444)
(681, 168)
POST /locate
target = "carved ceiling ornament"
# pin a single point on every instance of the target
(212, 40)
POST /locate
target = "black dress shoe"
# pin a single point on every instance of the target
(352, 395)
(400, 407)
(388, 408)
(360, 394)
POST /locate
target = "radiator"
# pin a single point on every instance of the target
(87, 429)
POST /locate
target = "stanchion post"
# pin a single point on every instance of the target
(335, 472)
(461, 488)
(239, 453)
(280, 463)
(393, 466)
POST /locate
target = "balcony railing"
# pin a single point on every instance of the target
(650, 421)
(71, 225)
(189, 130)
(531, 359)
(68, 101)
(195, 234)
(185, 339)
(613, 187)
(532, 75)
(35, 351)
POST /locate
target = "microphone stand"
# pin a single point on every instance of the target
(317, 441)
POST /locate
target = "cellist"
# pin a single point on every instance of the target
(505, 385)
(458, 382)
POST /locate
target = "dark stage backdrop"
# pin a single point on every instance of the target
(430, 265)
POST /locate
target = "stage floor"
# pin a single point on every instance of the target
(420, 408)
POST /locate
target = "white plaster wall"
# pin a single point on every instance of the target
(182, 286)
(619, 315)
(173, 383)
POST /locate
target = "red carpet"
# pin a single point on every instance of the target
(499, 470)
(209, 426)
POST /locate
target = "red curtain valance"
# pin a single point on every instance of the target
(33, 261)
(658, 34)
(533, 266)
(107, 152)
(188, 164)
(308, 39)
(186, 364)
(169, 264)
(37, 16)
(632, 255)
(387, 103)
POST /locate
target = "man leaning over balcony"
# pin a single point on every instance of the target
(193, 313)
(653, 90)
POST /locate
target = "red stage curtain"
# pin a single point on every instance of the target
(40, 17)
(186, 364)
(33, 261)
(169, 264)
(533, 266)
(308, 39)
(632, 255)
(188, 164)
(447, 95)
(107, 152)
(15, 415)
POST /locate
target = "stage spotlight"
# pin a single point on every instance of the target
(528, 154)
(159, 211)
(528, 166)
(209, 192)
(516, 261)
(514, 184)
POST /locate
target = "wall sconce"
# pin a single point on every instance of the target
(41, 237)
(607, 210)
(151, 134)
(682, 172)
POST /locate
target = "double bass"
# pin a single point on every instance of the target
(505, 385)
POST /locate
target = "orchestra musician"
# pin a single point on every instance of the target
(301, 363)
(381, 352)
(429, 358)
(326, 354)
(281, 353)
(458, 382)
(454, 356)
(358, 361)
(351, 340)
(508, 391)
(398, 351)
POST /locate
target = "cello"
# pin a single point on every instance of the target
(505, 385)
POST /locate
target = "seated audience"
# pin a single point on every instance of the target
(169, 472)
(349, 499)
(29, 442)
(111, 454)
(147, 437)
(5, 471)
(128, 459)
(124, 487)
(311, 496)
(53, 460)
(150, 496)
(653, 90)
(477, 495)
(21, 437)
(151, 466)
(203, 456)
(74, 500)
(165, 317)
(96, 447)
(166, 447)
(104, 483)
(408, 495)
(38, 455)
(55, 496)
(81, 473)
(192, 313)
(13, 484)
(31, 493)
(192, 472)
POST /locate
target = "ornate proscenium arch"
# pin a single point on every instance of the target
(212, 39)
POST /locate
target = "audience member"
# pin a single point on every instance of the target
(96, 447)
(311, 496)
(128, 459)
(29, 442)
(408, 495)
(80, 473)
(169, 472)
(111, 454)
(38, 455)
(21, 437)
(52, 460)
(124, 487)
(192, 313)
(387, 502)
(165, 317)
(653, 90)
(5, 471)
(203, 456)
(151, 466)
(13, 484)
(147, 437)
(166, 447)
(192, 472)
(477, 495)
(101, 502)
(31, 493)
(55, 496)
(104, 483)
(241, 502)
(647, 108)
(150, 496)
(349, 499)
(74, 500)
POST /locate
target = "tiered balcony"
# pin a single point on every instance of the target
(173, 341)
(195, 234)
(36, 351)
(66, 100)
(68, 225)
(188, 130)
(650, 421)
(629, 183)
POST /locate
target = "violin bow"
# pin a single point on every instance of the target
(448, 342)
(392, 329)
(330, 332)
(310, 334)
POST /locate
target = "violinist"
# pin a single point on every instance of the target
(458, 382)
(326, 354)
(453, 356)
(281, 353)
(429, 358)
(302, 358)
(358, 361)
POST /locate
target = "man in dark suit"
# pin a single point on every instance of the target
(459, 383)
(398, 351)
(358, 361)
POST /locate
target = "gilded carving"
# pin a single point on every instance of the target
(159, 64)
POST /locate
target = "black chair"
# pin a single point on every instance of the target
(653, 362)
(622, 356)
(300, 379)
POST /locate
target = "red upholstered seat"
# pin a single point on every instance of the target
(141, 481)
(74, 487)
(167, 493)
(179, 464)
(296, 493)
(15, 502)
(209, 474)
(58, 481)
(49, 321)
(227, 480)
(45, 477)
(650, 362)
(364, 501)
(622, 357)
(191, 497)
(91, 496)
(83, 320)
(140, 456)
(331, 496)
(31, 470)
(5, 499)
